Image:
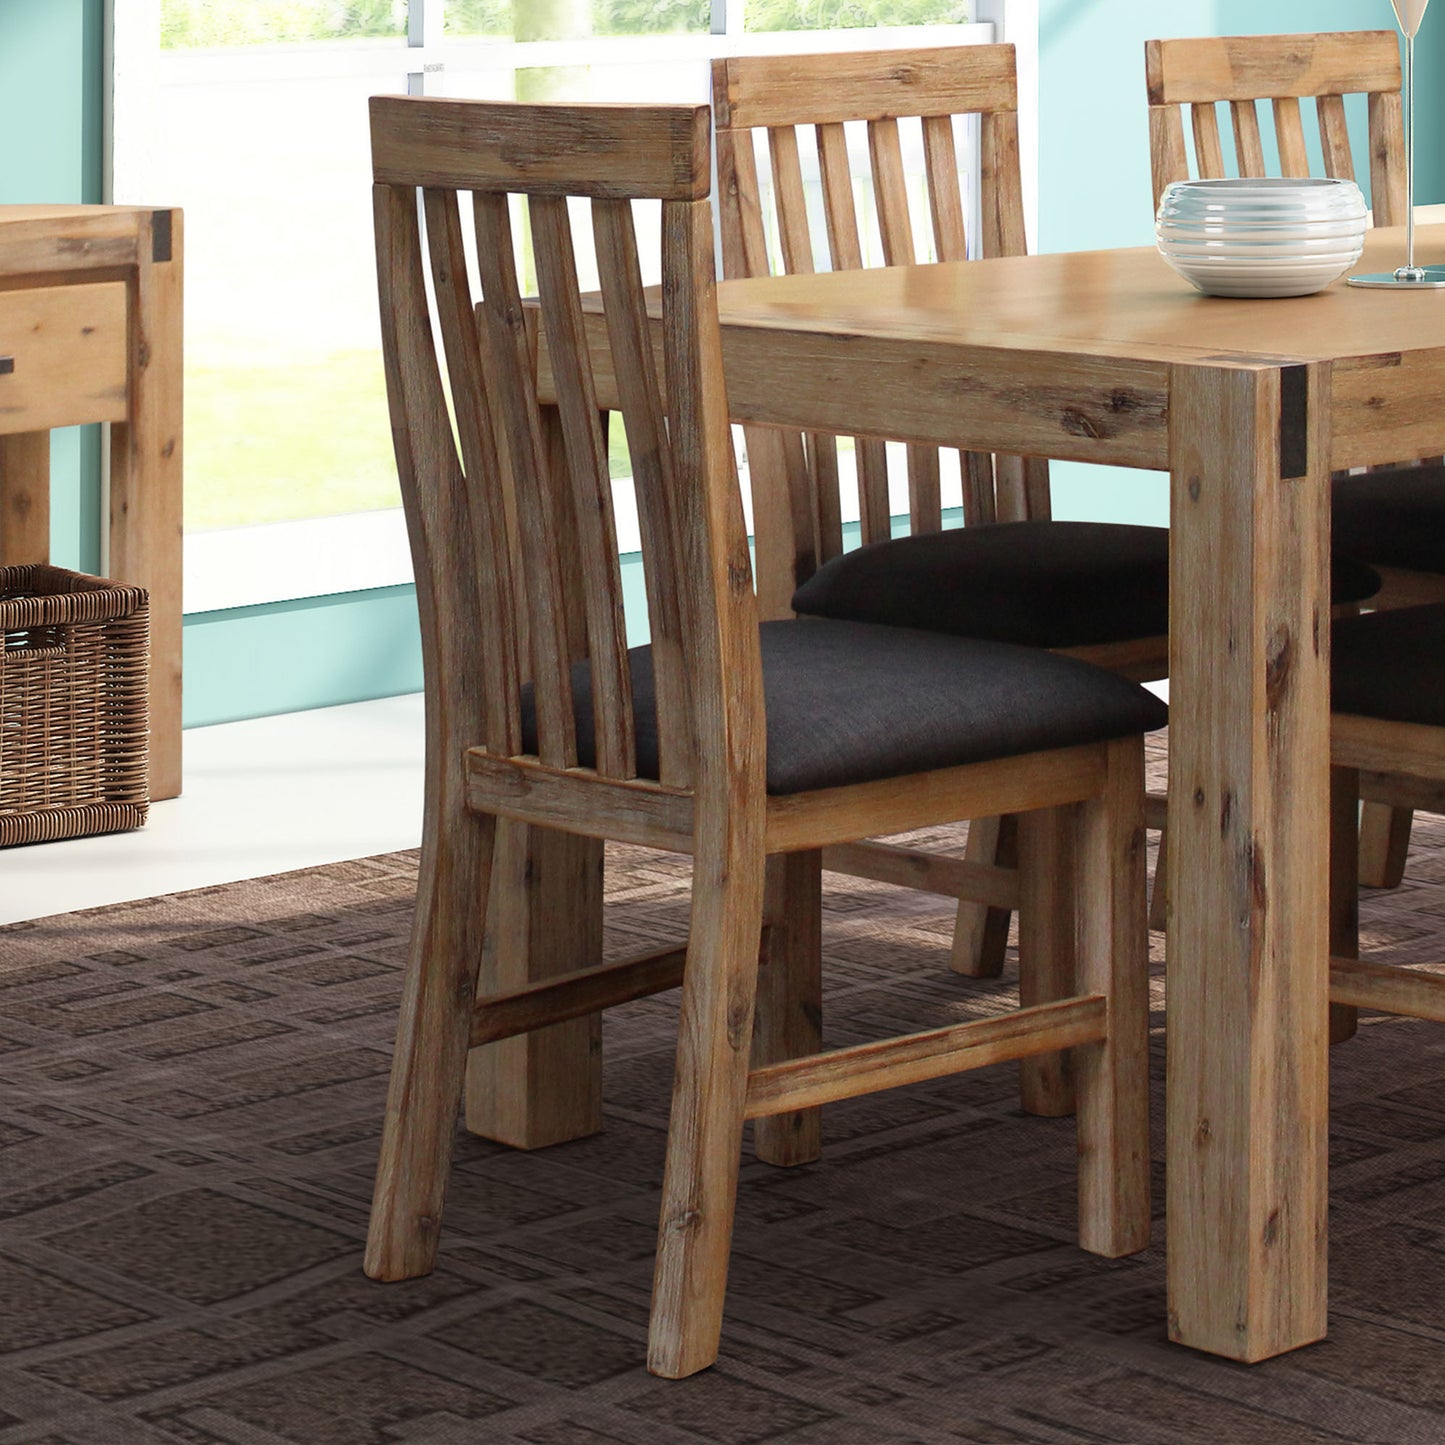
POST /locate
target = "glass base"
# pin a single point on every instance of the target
(1427, 278)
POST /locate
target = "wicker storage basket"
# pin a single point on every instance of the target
(73, 700)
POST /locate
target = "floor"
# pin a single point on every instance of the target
(190, 1093)
(260, 797)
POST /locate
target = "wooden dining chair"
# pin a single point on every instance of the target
(749, 747)
(1010, 573)
(1390, 517)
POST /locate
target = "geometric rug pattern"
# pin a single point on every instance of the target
(190, 1094)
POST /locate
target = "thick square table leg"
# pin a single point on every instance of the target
(145, 481)
(1248, 791)
(24, 498)
(545, 918)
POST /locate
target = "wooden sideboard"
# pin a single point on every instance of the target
(90, 331)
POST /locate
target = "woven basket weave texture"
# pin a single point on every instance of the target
(74, 655)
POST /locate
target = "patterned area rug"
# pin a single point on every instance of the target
(190, 1090)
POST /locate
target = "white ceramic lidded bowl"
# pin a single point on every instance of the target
(1266, 237)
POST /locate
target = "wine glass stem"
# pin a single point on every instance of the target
(1410, 151)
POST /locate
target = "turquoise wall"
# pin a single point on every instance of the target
(51, 53)
(1094, 189)
(287, 656)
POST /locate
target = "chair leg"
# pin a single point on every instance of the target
(1113, 960)
(1345, 850)
(704, 1137)
(1384, 844)
(980, 933)
(1046, 948)
(432, 1040)
(544, 1087)
(790, 998)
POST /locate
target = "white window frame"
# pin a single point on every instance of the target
(250, 565)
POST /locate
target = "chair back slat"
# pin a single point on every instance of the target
(845, 253)
(1168, 160)
(792, 205)
(511, 515)
(1339, 160)
(644, 420)
(1038, 498)
(510, 355)
(585, 464)
(1387, 158)
(875, 520)
(945, 197)
(1208, 147)
(1001, 185)
(979, 501)
(885, 93)
(1284, 69)
(824, 498)
(925, 490)
(1248, 143)
(740, 208)
(1010, 490)
(950, 243)
(890, 193)
(500, 668)
(472, 664)
(1289, 135)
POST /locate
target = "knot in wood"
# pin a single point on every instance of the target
(1279, 668)
(740, 1024)
(1076, 423)
(684, 1221)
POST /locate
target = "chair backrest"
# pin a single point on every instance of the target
(510, 515)
(795, 482)
(1242, 70)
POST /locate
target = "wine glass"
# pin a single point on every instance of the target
(1409, 13)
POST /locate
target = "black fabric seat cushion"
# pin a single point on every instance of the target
(1391, 665)
(1042, 584)
(1393, 518)
(850, 703)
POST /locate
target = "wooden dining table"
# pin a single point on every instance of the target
(1249, 405)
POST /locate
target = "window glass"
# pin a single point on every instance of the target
(285, 399)
(191, 24)
(760, 15)
(575, 19)
(251, 117)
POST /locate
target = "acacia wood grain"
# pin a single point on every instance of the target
(1247, 1099)
(145, 500)
(913, 1058)
(24, 498)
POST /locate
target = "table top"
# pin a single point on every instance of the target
(1070, 355)
(18, 215)
(38, 243)
(1121, 303)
